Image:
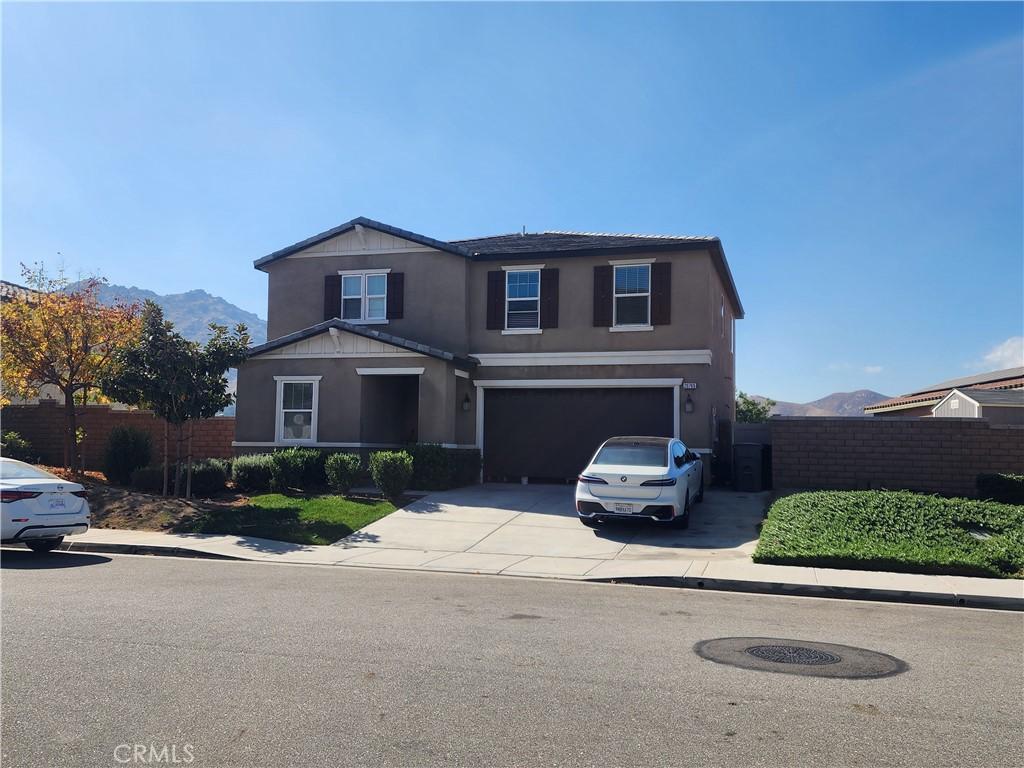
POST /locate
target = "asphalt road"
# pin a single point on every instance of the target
(241, 664)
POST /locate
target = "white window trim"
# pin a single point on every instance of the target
(364, 298)
(523, 268)
(506, 331)
(615, 304)
(627, 262)
(279, 438)
(625, 357)
(390, 371)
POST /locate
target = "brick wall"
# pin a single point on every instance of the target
(43, 426)
(931, 455)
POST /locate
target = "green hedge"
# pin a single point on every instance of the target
(391, 472)
(301, 468)
(253, 472)
(14, 446)
(151, 479)
(209, 476)
(128, 449)
(894, 531)
(435, 468)
(1001, 487)
(342, 470)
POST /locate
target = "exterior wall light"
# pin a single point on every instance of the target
(466, 403)
(688, 405)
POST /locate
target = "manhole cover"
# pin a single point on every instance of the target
(792, 654)
(799, 657)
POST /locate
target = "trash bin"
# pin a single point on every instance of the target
(748, 466)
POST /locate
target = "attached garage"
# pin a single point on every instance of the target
(551, 433)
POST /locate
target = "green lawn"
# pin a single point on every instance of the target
(298, 519)
(894, 531)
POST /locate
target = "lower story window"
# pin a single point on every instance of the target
(297, 408)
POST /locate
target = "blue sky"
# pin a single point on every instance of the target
(861, 163)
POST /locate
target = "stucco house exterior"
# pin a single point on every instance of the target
(531, 347)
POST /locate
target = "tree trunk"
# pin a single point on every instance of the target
(167, 429)
(70, 427)
(177, 464)
(188, 479)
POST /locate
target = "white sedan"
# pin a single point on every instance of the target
(653, 478)
(39, 509)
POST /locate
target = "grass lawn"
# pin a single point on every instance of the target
(298, 519)
(894, 531)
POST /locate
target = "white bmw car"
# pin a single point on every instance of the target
(39, 509)
(653, 478)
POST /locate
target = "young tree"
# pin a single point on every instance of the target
(178, 379)
(750, 411)
(65, 337)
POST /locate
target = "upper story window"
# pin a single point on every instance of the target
(632, 303)
(364, 296)
(522, 299)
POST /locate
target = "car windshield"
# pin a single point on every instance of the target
(633, 454)
(16, 470)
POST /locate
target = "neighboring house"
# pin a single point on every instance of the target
(922, 401)
(532, 347)
(999, 406)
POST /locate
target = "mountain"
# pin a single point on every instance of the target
(836, 404)
(191, 312)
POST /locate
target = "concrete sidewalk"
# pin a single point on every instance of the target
(733, 574)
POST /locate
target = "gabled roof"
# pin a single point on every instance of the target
(10, 291)
(1009, 378)
(552, 244)
(1013, 398)
(459, 361)
(350, 225)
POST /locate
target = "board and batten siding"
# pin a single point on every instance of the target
(957, 407)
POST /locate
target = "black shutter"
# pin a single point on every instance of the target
(495, 300)
(661, 293)
(549, 298)
(332, 296)
(603, 296)
(396, 295)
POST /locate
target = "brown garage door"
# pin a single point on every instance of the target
(553, 433)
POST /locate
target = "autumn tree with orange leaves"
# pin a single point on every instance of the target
(61, 335)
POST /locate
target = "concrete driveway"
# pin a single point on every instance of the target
(533, 530)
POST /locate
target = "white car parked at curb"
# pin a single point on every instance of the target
(39, 509)
(653, 478)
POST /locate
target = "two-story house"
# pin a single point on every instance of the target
(531, 347)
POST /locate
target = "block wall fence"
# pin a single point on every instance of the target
(929, 455)
(43, 426)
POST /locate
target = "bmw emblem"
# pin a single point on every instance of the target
(623, 478)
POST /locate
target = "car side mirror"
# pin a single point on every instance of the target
(680, 460)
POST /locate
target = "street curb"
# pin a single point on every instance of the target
(949, 599)
(697, 583)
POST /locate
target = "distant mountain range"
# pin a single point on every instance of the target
(836, 404)
(191, 312)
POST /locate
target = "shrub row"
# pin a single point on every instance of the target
(894, 531)
(209, 476)
(436, 468)
(1004, 487)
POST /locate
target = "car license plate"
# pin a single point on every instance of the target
(624, 509)
(57, 502)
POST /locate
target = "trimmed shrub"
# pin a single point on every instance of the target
(391, 472)
(14, 446)
(435, 468)
(209, 476)
(151, 479)
(299, 468)
(128, 449)
(894, 531)
(342, 469)
(1002, 487)
(254, 472)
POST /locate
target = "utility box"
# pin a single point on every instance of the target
(748, 466)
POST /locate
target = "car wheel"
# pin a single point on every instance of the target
(42, 546)
(590, 522)
(683, 521)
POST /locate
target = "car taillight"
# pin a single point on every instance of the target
(8, 495)
(668, 481)
(589, 479)
(81, 494)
